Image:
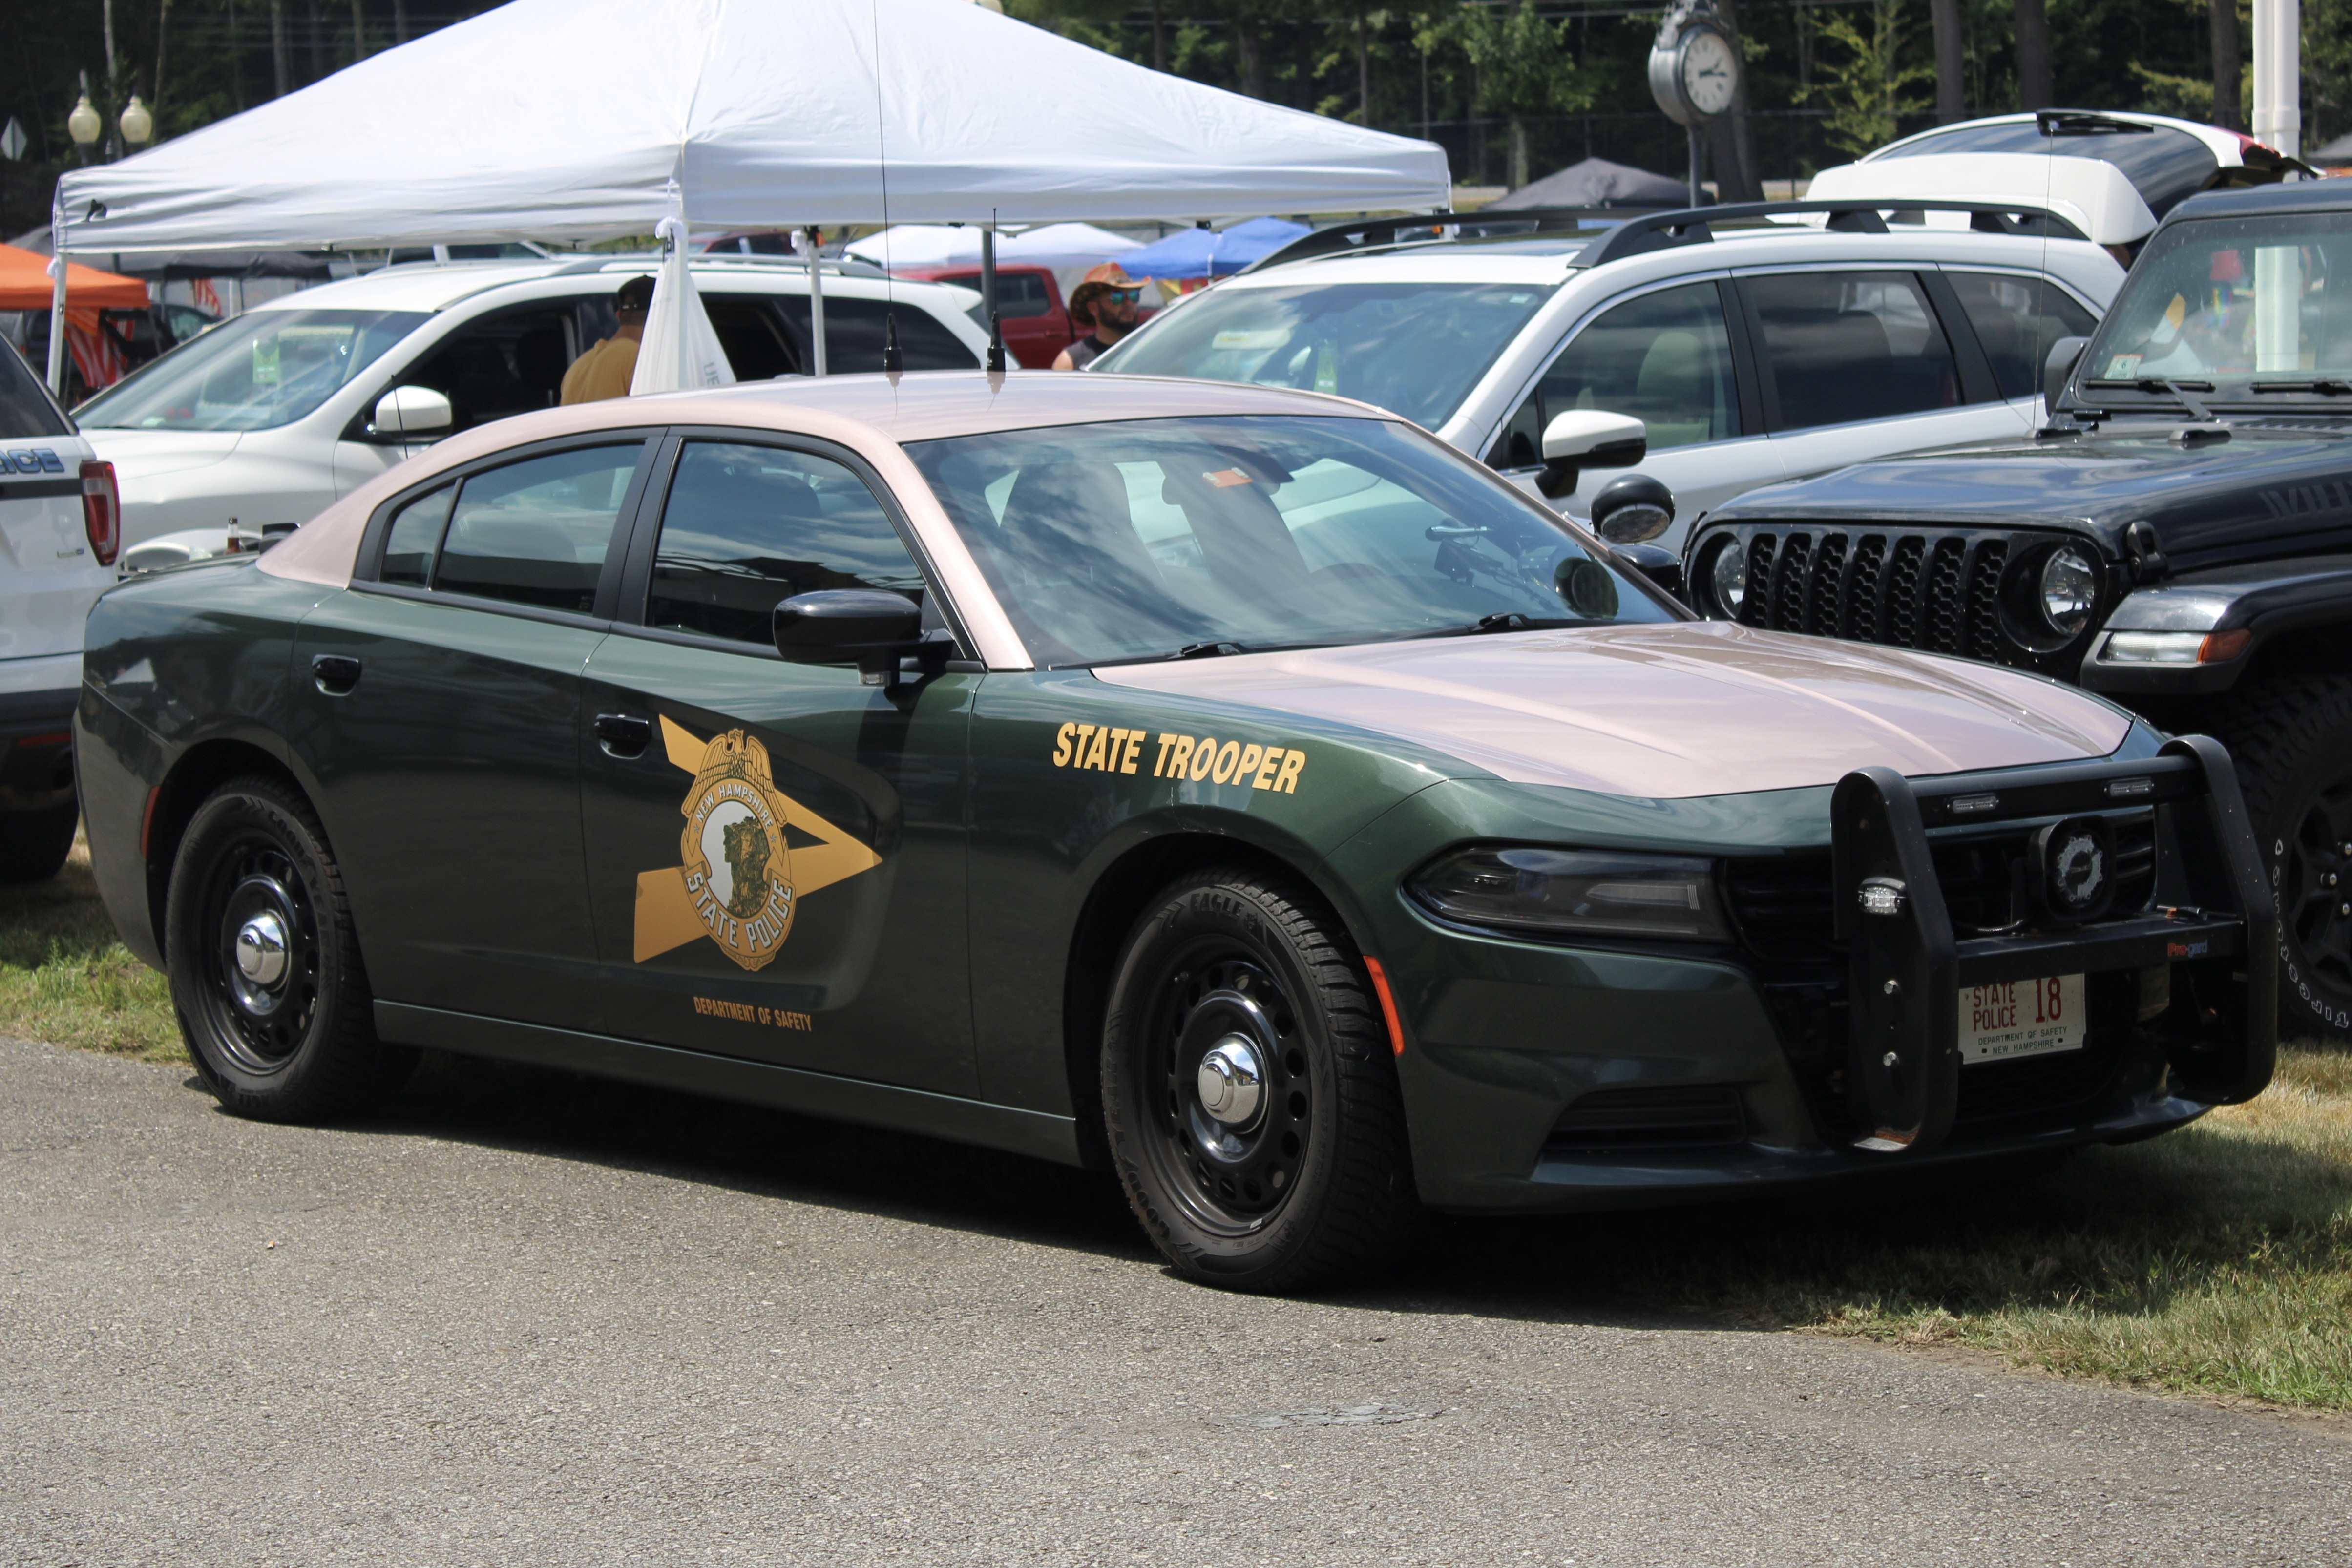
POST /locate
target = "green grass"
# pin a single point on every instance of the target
(65, 978)
(2217, 1259)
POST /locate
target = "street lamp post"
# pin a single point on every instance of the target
(83, 124)
(138, 123)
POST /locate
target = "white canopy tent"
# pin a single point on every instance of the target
(904, 246)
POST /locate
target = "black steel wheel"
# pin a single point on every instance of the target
(2291, 740)
(34, 844)
(1248, 1090)
(266, 974)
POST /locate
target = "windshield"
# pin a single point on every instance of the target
(266, 369)
(1414, 349)
(2250, 309)
(1145, 538)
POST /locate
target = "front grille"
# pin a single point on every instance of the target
(1704, 1117)
(1937, 590)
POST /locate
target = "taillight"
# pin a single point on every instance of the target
(101, 510)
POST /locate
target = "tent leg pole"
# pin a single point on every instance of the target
(57, 324)
(816, 304)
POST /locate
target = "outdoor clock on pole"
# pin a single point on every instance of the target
(1694, 72)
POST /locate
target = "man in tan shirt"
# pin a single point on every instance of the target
(605, 370)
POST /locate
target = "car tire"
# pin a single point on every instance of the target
(1306, 1179)
(264, 966)
(2292, 741)
(34, 844)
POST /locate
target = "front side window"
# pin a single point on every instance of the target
(1151, 539)
(855, 330)
(746, 527)
(534, 532)
(1664, 357)
(1846, 346)
(505, 364)
(265, 368)
(2241, 303)
(1414, 349)
(2016, 321)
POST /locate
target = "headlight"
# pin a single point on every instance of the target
(2069, 588)
(1729, 576)
(1566, 892)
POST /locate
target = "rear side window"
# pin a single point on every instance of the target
(1847, 346)
(26, 411)
(1664, 357)
(753, 337)
(746, 527)
(1019, 295)
(2016, 321)
(536, 532)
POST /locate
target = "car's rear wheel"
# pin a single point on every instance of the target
(266, 972)
(34, 844)
(2291, 740)
(1249, 1095)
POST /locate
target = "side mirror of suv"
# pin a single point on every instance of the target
(2065, 355)
(862, 626)
(412, 410)
(1589, 438)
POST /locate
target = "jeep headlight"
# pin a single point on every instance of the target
(1576, 892)
(2070, 588)
(1729, 577)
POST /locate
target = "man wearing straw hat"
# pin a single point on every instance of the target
(1105, 302)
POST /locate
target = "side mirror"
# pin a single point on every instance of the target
(412, 410)
(1589, 438)
(1632, 510)
(2065, 355)
(862, 626)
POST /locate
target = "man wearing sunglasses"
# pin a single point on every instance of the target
(1105, 302)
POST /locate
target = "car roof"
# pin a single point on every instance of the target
(438, 285)
(2253, 201)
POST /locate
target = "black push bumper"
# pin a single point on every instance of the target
(2211, 928)
(36, 750)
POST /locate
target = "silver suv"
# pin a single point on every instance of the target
(58, 527)
(1754, 343)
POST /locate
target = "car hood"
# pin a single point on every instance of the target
(1664, 711)
(2204, 495)
(147, 454)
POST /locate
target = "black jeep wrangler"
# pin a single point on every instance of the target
(2177, 537)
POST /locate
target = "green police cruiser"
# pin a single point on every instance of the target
(1232, 787)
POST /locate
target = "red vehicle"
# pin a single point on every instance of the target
(1037, 324)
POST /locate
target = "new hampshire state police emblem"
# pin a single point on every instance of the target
(740, 883)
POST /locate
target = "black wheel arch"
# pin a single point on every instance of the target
(189, 782)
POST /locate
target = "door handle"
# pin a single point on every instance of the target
(624, 736)
(335, 674)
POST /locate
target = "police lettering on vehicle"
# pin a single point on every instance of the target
(1108, 748)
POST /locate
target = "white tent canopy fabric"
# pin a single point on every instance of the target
(567, 120)
(909, 245)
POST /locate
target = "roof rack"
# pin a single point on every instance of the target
(1860, 215)
(1372, 234)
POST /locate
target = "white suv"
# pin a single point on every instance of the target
(1812, 338)
(258, 424)
(58, 524)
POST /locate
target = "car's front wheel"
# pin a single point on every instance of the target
(266, 973)
(2291, 740)
(1249, 1093)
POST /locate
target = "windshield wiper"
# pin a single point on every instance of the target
(2325, 386)
(2180, 390)
(1207, 650)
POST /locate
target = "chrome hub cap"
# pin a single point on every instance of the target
(1232, 1082)
(261, 950)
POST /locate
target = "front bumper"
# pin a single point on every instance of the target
(1540, 1076)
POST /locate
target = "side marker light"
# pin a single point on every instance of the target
(1388, 1002)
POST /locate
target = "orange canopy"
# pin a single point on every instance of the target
(24, 285)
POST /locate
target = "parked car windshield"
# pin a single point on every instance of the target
(264, 368)
(2255, 308)
(1414, 349)
(2163, 165)
(1148, 538)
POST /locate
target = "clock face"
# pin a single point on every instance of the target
(1709, 72)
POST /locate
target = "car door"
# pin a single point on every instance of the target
(1670, 358)
(775, 852)
(1859, 363)
(504, 362)
(2016, 317)
(437, 709)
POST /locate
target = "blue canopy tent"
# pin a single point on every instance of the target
(1211, 253)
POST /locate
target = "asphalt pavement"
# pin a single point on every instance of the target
(524, 1319)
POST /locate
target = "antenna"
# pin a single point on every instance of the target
(891, 358)
(892, 361)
